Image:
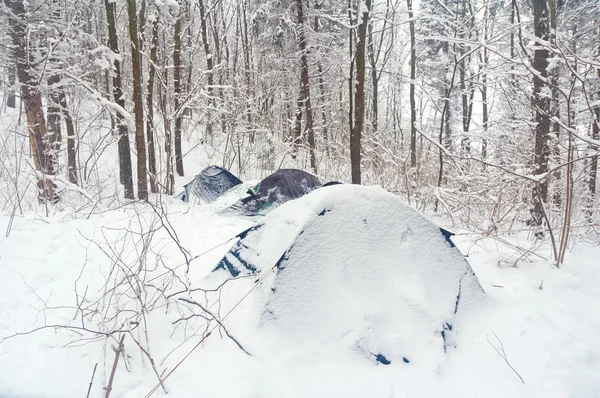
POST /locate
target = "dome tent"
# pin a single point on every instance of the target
(353, 265)
(276, 189)
(207, 186)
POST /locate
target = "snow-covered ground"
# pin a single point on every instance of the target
(60, 269)
(48, 264)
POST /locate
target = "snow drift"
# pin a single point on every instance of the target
(353, 265)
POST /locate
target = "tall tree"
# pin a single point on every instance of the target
(125, 169)
(177, 85)
(413, 106)
(209, 64)
(364, 8)
(305, 86)
(541, 103)
(595, 130)
(150, 107)
(44, 158)
(138, 102)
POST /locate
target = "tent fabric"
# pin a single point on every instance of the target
(355, 268)
(209, 185)
(276, 189)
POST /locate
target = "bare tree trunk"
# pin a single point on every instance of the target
(359, 97)
(178, 94)
(596, 136)
(413, 106)
(322, 91)
(164, 106)
(555, 103)
(150, 105)
(297, 124)
(44, 158)
(374, 78)
(351, 75)
(306, 87)
(466, 107)
(54, 116)
(73, 174)
(247, 73)
(138, 101)
(11, 97)
(209, 65)
(484, 83)
(541, 104)
(125, 167)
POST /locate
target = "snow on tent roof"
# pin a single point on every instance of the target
(211, 183)
(353, 265)
(280, 187)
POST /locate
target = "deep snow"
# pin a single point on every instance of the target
(549, 334)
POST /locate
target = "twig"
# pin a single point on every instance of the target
(502, 354)
(91, 381)
(217, 320)
(114, 368)
(151, 362)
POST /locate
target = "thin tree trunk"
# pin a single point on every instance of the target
(150, 105)
(322, 91)
(297, 124)
(247, 63)
(11, 96)
(413, 107)
(466, 114)
(359, 97)
(306, 87)
(555, 104)
(54, 116)
(374, 79)
(209, 65)
(71, 139)
(138, 101)
(596, 136)
(542, 108)
(351, 75)
(484, 83)
(125, 167)
(178, 94)
(44, 158)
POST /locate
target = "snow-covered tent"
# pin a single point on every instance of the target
(211, 183)
(279, 187)
(355, 266)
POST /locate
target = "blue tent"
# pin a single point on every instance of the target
(211, 183)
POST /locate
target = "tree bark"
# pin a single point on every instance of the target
(178, 94)
(413, 106)
(10, 92)
(125, 168)
(541, 103)
(54, 116)
(359, 97)
(484, 83)
(44, 158)
(322, 91)
(351, 75)
(555, 103)
(596, 136)
(209, 65)
(306, 87)
(138, 101)
(150, 105)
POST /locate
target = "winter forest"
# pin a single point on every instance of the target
(483, 115)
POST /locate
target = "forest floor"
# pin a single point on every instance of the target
(546, 319)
